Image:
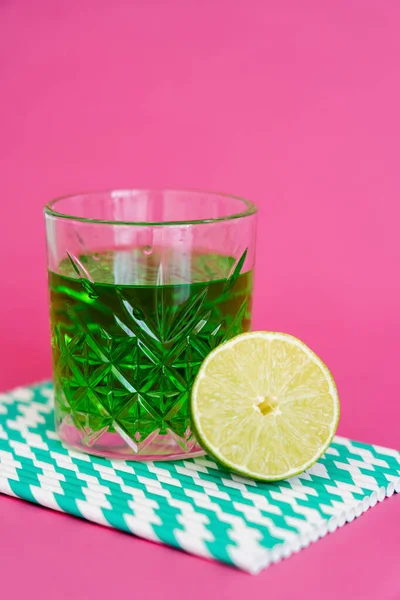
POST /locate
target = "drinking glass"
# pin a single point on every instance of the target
(143, 285)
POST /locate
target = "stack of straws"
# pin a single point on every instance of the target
(194, 504)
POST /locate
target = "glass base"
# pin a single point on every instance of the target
(114, 445)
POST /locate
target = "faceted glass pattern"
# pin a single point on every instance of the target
(131, 326)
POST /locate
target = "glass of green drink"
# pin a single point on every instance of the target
(143, 285)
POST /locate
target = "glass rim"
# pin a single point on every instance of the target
(249, 208)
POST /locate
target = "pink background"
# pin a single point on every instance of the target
(292, 104)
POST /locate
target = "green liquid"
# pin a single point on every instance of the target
(125, 354)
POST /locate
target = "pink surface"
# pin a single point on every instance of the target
(294, 105)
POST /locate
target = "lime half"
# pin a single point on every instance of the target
(264, 405)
